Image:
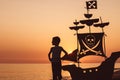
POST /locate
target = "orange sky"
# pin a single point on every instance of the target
(27, 27)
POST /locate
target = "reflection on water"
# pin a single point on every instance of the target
(25, 72)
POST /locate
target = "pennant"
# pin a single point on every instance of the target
(91, 4)
(91, 44)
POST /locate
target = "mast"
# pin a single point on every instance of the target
(102, 25)
(76, 28)
(89, 22)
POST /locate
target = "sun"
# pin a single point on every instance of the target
(69, 52)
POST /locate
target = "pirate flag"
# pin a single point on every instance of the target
(91, 44)
(91, 4)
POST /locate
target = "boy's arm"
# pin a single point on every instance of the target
(64, 51)
(49, 55)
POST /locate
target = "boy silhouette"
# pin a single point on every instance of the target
(55, 58)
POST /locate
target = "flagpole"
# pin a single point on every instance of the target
(90, 5)
(77, 49)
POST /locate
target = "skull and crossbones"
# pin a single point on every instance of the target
(90, 40)
(90, 45)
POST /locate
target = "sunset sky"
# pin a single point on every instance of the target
(27, 27)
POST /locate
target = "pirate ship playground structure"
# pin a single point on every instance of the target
(88, 43)
(91, 43)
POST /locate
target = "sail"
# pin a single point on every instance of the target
(71, 57)
(91, 44)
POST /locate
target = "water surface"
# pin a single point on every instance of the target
(34, 71)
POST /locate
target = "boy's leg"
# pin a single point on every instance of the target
(59, 71)
(59, 75)
(54, 71)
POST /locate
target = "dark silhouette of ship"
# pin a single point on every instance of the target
(91, 43)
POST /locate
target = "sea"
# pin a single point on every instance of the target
(36, 71)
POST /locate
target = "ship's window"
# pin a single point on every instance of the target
(90, 70)
(84, 71)
(96, 69)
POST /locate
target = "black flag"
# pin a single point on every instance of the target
(91, 44)
(91, 4)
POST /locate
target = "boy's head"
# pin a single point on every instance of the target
(55, 40)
